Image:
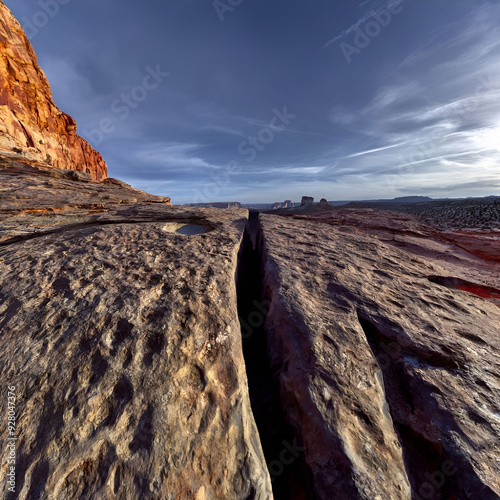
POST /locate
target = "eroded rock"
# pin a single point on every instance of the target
(31, 126)
(122, 338)
(388, 378)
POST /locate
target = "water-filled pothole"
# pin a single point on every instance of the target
(186, 229)
(192, 230)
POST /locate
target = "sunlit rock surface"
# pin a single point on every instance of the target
(389, 378)
(121, 336)
(31, 125)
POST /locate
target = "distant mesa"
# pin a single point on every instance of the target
(404, 199)
(284, 204)
(411, 199)
(306, 200)
(32, 128)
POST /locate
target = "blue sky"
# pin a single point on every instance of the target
(266, 100)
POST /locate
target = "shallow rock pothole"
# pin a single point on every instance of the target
(186, 229)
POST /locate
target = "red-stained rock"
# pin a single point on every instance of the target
(31, 125)
(471, 255)
(484, 244)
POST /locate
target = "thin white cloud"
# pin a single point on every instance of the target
(174, 156)
(377, 6)
(376, 150)
(437, 123)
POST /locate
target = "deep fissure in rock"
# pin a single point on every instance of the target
(276, 435)
(433, 472)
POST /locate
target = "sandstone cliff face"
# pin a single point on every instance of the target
(31, 125)
(388, 374)
(120, 333)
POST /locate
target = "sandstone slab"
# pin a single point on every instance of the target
(389, 378)
(470, 255)
(121, 336)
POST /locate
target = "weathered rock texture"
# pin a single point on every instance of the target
(36, 200)
(389, 376)
(452, 215)
(471, 255)
(122, 338)
(31, 125)
(222, 204)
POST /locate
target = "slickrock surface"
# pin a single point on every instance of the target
(31, 125)
(472, 256)
(389, 377)
(36, 199)
(121, 336)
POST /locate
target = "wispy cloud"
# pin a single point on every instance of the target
(419, 111)
(438, 120)
(173, 157)
(377, 7)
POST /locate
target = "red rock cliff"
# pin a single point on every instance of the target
(30, 122)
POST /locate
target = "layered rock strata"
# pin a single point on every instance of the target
(31, 125)
(36, 200)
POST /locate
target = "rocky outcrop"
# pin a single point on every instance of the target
(35, 189)
(306, 200)
(283, 204)
(387, 372)
(31, 125)
(120, 333)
